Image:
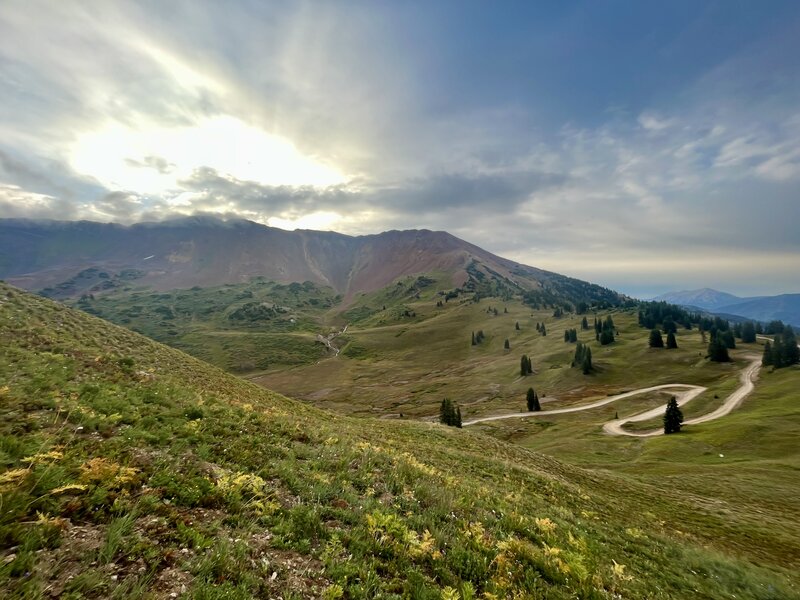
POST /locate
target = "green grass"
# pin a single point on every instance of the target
(193, 482)
(247, 327)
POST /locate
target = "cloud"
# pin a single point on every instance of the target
(158, 163)
(321, 114)
(653, 122)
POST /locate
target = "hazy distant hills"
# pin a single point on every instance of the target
(705, 298)
(785, 307)
(203, 251)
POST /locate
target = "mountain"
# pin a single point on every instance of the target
(785, 307)
(73, 258)
(130, 469)
(705, 298)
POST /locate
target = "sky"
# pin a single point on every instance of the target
(646, 146)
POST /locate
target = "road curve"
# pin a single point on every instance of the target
(683, 393)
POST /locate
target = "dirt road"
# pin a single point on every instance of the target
(683, 392)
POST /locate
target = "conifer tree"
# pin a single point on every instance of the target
(446, 413)
(449, 413)
(587, 361)
(748, 333)
(717, 351)
(669, 325)
(777, 352)
(672, 343)
(790, 349)
(543, 331)
(656, 341)
(766, 359)
(578, 358)
(532, 400)
(584, 324)
(523, 365)
(507, 345)
(473, 339)
(673, 417)
(516, 325)
(728, 339)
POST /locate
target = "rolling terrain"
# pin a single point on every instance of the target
(132, 470)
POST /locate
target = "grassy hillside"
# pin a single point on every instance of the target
(132, 470)
(240, 328)
(390, 366)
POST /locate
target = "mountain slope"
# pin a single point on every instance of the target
(132, 470)
(70, 258)
(704, 298)
(784, 307)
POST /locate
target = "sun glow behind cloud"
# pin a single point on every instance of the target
(153, 159)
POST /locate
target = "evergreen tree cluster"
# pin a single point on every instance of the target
(532, 400)
(583, 358)
(449, 413)
(717, 350)
(673, 417)
(525, 366)
(774, 327)
(558, 312)
(604, 330)
(570, 335)
(783, 351)
(746, 332)
(654, 314)
(477, 339)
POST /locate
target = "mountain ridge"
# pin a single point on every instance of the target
(783, 307)
(206, 251)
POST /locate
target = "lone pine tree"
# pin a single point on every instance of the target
(673, 417)
(449, 413)
(656, 341)
(672, 343)
(525, 366)
(532, 400)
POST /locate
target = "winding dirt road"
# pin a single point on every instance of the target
(683, 393)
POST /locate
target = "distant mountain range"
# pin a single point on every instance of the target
(68, 259)
(784, 307)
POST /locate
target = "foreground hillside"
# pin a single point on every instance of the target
(132, 470)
